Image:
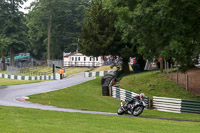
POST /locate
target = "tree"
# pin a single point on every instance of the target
(166, 28)
(56, 23)
(101, 37)
(12, 29)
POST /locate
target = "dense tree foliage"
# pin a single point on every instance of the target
(161, 28)
(145, 29)
(12, 28)
(56, 24)
(100, 36)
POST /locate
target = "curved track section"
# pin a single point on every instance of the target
(16, 95)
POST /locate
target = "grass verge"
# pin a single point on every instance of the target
(6, 82)
(155, 83)
(87, 96)
(73, 70)
(108, 67)
(21, 120)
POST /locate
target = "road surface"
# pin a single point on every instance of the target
(15, 95)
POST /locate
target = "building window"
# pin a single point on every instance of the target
(72, 58)
(84, 58)
(79, 58)
(90, 58)
(75, 58)
(96, 58)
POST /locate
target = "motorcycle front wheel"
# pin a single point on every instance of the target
(120, 111)
(138, 110)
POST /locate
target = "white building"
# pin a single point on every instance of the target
(80, 60)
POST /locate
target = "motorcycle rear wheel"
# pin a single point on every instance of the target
(120, 111)
(138, 110)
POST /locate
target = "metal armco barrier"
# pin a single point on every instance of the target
(167, 104)
(123, 95)
(176, 105)
(190, 106)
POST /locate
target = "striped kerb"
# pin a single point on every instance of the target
(15, 77)
(146, 102)
(117, 93)
(29, 78)
(45, 78)
(105, 72)
(9, 76)
(3, 75)
(97, 74)
(23, 77)
(128, 95)
(90, 74)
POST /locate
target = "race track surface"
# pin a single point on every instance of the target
(15, 95)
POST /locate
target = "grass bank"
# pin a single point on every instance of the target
(21, 120)
(155, 83)
(88, 96)
(6, 82)
(73, 70)
(108, 67)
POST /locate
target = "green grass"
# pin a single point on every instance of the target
(48, 70)
(6, 82)
(106, 68)
(21, 120)
(103, 68)
(33, 71)
(74, 70)
(87, 96)
(3, 71)
(155, 84)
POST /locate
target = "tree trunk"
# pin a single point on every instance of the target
(12, 62)
(142, 63)
(161, 65)
(49, 37)
(125, 66)
(4, 63)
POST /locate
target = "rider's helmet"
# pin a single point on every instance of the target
(142, 96)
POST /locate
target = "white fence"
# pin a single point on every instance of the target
(82, 64)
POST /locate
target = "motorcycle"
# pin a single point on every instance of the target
(134, 108)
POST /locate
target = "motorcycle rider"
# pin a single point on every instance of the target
(137, 97)
(130, 104)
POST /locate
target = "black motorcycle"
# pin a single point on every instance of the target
(134, 107)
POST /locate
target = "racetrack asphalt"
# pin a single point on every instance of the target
(15, 95)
